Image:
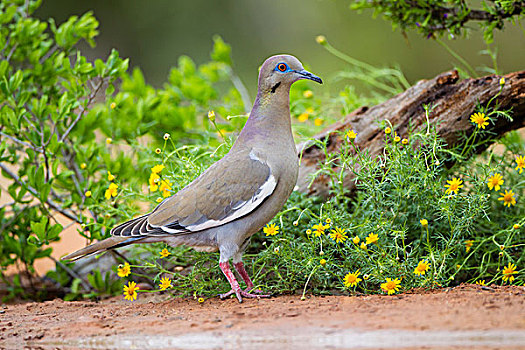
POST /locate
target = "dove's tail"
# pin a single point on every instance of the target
(99, 247)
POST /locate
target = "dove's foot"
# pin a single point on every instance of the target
(244, 293)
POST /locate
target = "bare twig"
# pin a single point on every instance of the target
(23, 143)
(82, 110)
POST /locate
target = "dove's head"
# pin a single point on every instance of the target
(282, 71)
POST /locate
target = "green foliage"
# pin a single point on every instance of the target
(52, 133)
(98, 164)
(438, 17)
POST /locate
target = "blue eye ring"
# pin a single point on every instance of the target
(282, 67)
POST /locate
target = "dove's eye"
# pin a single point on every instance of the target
(282, 67)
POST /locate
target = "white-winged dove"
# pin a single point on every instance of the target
(235, 197)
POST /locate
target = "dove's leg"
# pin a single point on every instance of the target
(225, 268)
(239, 266)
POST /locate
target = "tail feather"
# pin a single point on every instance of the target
(94, 248)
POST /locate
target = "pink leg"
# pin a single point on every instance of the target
(249, 284)
(225, 268)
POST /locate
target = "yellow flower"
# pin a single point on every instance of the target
(303, 117)
(397, 138)
(495, 182)
(391, 286)
(308, 94)
(123, 270)
(319, 229)
(130, 291)
(157, 168)
(111, 191)
(338, 235)
(158, 150)
(318, 121)
(502, 81)
(164, 253)
(309, 110)
(404, 141)
(165, 187)
(83, 166)
(507, 198)
(352, 279)
(468, 245)
(372, 238)
(363, 246)
(211, 116)
(154, 182)
(520, 161)
(479, 119)
(424, 223)
(421, 268)
(356, 240)
(160, 199)
(516, 226)
(480, 282)
(321, 39)
(388, 131)
(350, 135)
(328, 220)
(109, 140)
(271, 230)
(166, 136)
(113, 105)
(322, 262)
(200, 300)
(88, 194)
(308, 231)
(508, 271)
(165, 283)
(111, 177)
(453, 185)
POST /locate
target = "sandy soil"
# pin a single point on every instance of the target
(464, 308)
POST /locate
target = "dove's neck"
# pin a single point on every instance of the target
(269, 120)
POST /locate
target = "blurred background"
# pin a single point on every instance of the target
(154, 34)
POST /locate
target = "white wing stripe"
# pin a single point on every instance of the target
(264, 191)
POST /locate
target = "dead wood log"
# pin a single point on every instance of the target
(453, 100)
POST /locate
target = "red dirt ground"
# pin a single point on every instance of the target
(467, 307)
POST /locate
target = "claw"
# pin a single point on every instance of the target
(244, 293)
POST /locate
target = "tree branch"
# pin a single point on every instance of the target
(453, 103)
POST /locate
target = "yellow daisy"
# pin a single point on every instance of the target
(507, 198)
(338, 235)
(391, 286)
(271, 230)
(421, 268)
(123, 270)
(520, 161)
(495, 182)
(319, 229)
(154, 182)
(157, 168)
(424, 223)
(453, 185)
(130, 291)
(352, 279)
(111, 177)
(479, 119)
(480, 282)
(164, 253)
(165, 187)
(350, 135)
(111, 191)
(372, 238)
(508, 271)
(165, 283)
